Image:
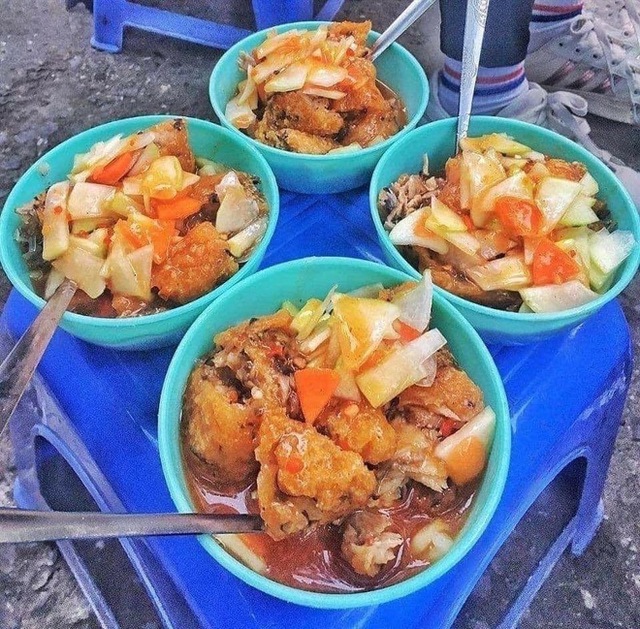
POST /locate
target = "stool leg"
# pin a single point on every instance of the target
(590, 510)
(108, 25)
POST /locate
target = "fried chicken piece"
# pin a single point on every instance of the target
(362, 429)
(295, 110)
(220, 429)
(260, 353)
(372, 125)
(292, 494)
(359, 31)
(413, 459)
(300, 142)
(364, 95)
(172, 139)
(366, 543)
(194, 265)
(452, 394)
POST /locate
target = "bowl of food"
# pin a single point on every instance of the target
(153, 217)
(369, 430)
(313, 104)
(525, 232)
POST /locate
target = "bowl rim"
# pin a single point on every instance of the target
(629, 266)
(174, 475)
(257, 254)
(273, 151)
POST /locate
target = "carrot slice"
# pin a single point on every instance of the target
(406, 332)
(552, 265)
(180, 207)
(134, 239)
(116, 169)
(315, 388)
(520, 217)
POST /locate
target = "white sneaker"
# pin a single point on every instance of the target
(562, 112)
(597, 61)
(621, 15)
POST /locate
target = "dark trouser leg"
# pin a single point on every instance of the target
(506, 37)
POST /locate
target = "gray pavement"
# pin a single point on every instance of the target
(53, 85)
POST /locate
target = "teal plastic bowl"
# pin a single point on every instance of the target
(437, 140)
(263, 293)
(207, 140)
(320, 174)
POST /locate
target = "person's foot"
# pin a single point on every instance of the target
(562, 112)
(622, 15)
(595, 60)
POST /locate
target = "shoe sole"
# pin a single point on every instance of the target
(602, 105)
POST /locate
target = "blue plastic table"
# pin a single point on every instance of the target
(566, 397)
(110, 17)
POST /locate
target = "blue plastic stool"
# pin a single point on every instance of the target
(566, 397)
(111, 16)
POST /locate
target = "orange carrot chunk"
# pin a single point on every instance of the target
(116, 169)
(552, 265)
(315, 388)
(180, 207)
(520, 217)
(406, 332)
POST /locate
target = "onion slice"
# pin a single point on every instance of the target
(249, 236)
(411, 231)
(557, 297)
(401, 369)
(465, 451)
(415, 304)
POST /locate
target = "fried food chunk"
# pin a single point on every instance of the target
(359, 31)
(260, 354)
(452, 393)
(295, 110)
(194, 265)
(412, 459)
(220, 430)
(362, 429)
(300, 142)
(364, 95)
(292, 494)
(172, 139)
(372, 125)
(367, 544)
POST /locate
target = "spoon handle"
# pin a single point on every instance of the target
(399, 26)
(474, 25)
(18, 367)
(21, 525)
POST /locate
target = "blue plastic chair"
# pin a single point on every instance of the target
(111, 16)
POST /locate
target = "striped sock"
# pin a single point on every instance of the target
(551, 18)
(495, 87)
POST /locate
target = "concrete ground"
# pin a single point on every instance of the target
(53, 85)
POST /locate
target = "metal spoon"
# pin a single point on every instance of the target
(20, 525)
(474, 25)
(399, 26)
(18, 367)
